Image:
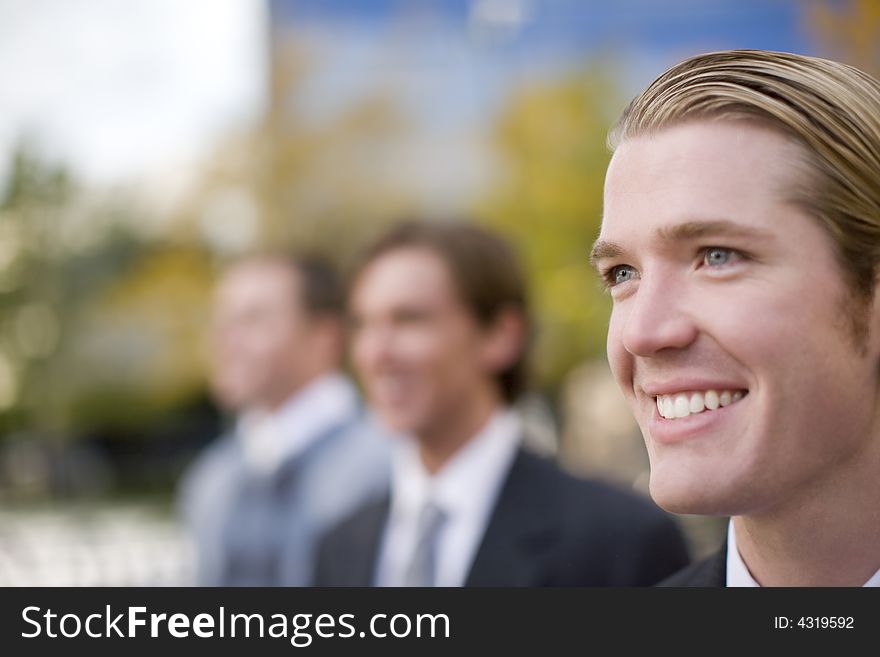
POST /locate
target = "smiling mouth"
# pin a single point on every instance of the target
(683, 404)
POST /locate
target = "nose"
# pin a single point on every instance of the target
(657, 318)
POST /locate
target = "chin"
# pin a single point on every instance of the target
(692, 497)
(396, 421)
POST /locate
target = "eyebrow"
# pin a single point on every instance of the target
(688, 230)
(603, 250)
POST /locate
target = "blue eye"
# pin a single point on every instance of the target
(717, 256)
(620, 274)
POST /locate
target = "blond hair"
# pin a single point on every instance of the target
(831, 110)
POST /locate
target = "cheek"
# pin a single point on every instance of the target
(787, 341)
(273, 348)
(449, 359)
(431, 347)
(422, 348)
(810, 380)
(619, 359)
(253, 342)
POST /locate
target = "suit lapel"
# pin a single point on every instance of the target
(710, 572)
(520, 528)
(367, 532)
(713, 571)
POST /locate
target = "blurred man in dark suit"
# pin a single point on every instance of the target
(301, 454)
(440, 335)
(740, 242)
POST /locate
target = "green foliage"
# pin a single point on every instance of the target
(551, 140)
(98, 326)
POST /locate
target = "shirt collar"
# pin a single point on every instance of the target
(738, 574)
(469, 478)
(270, 439)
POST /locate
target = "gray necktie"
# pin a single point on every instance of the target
(422, 568)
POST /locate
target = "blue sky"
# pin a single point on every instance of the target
(578, 25)
(452, 61)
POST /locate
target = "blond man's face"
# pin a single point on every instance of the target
(729, 334)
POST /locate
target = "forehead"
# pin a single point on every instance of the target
(699, 172)
(411, 275)
(258, 282)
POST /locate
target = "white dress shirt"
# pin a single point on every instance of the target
(269, 439)
(466, 489)
(738, 574)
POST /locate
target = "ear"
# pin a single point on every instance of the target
(504, 340)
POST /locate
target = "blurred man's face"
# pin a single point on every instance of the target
(259, 335)
(731, 330)
(418, 350)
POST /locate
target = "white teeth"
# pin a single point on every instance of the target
(683, 404)
(711, 400)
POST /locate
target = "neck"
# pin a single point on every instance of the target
(826, 535)
(279, 398)
(441, 442)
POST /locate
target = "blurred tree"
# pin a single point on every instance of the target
(548, 201)
(29, 295)
(848, 30)
(138, 341)
(96, 323)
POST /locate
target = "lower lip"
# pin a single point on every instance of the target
(668, 432)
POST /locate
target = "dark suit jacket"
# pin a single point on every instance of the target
(710, 572)
(547, 529)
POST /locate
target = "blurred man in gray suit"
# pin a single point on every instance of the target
(301, 453)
